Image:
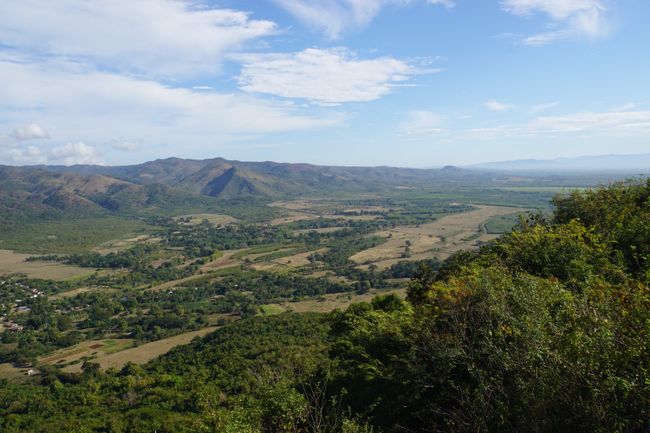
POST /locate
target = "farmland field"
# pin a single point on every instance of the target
(440, 238)
(142, 353)
(14, 263)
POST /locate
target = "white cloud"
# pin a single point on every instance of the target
(445, 3)
(149, 37)
(28, 155)
(497, 106)
(81, 102)
(326, 77)
(423, 122)
(620, 121)
(625, 107)
(336, 16)
(68, 154)
(74, 153)
(30, 132)
(124, 144)
(572, 17)
(538, 108)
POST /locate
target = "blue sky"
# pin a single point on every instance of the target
(417, 83)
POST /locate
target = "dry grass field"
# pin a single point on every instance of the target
(440, 238)
(13, 263)
(13, 374)
(143, 353)
(93, 349)
(116, 245)
(225, 261)
(80, 290)
(212, 218)
(329, 302)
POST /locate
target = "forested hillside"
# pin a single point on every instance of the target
(545, 329)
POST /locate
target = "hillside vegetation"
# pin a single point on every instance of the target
(545, 329)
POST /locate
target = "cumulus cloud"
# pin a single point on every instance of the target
(423, 122)
(75, 153)
(150, 37)
(571, 17)
(27, 155)
(94, 105)
(323, 76)
(30, 132)
(497, 106)
(336, 16)
(67, 154)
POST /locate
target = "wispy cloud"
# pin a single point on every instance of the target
(323, 76)
(497, 106)
(95, 106)
(336, 16)
(619, 121)
(423, 122)
(539, 108)
(167, 38)
(569, 17)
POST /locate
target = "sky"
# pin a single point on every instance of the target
(413, 83)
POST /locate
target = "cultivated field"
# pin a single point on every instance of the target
(72, 357)
(440, 238)
(14, 263)
(143, 353)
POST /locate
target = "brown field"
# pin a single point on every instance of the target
(225, 261)
(13, 263)
(143, 353)
(440, 238)
(292, 217)
(75, 292)
(123, 244)
(14, 374)
(331, 302)
(93, 349)
(213, 218)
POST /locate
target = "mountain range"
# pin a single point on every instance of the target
(166, 185)
(174, 183)
(636, 164)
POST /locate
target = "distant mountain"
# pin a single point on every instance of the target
(636, 164)
(237, 179)
(34, 192)
(169, 185)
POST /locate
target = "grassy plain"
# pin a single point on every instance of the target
(14, 263)
(329, 302)
(72, 235)
(212, 218)
(440, 238)
(143, 353)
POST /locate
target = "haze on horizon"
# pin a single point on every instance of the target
(415, 83)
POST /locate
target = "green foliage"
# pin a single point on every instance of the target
(620, 214)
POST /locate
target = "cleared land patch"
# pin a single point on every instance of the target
(143, 353)
(14, 263)
(440, 238)
(93, 349)
(212, 218)
(327, 303)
